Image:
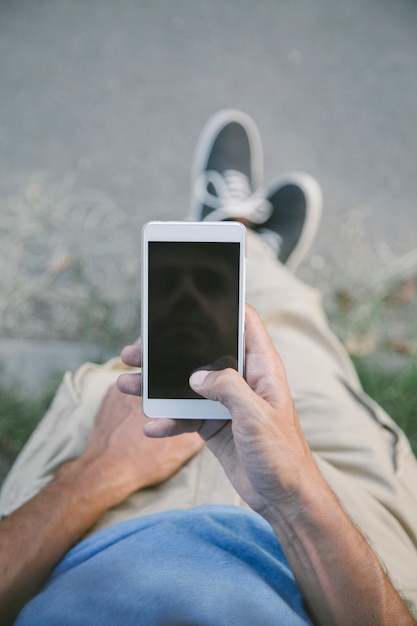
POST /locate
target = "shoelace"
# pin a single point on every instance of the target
(232, 197)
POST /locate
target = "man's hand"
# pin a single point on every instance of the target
(122, 453)
(262, 448)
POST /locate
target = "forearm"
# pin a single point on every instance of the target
(35, 537)
(118, 461)
(340, 576)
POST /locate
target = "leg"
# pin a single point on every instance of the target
(361, 451)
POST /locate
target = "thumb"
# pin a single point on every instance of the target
(197, 379)
(227, 386)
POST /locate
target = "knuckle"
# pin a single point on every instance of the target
(223, 380)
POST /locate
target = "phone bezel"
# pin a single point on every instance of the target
(193, 232)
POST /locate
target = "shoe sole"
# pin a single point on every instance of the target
(205, 144)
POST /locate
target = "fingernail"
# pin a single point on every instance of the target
(197, 378)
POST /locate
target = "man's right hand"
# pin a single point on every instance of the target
(262, 449)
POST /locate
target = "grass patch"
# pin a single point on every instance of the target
(19, 416)
(378, 328)
(394, 390)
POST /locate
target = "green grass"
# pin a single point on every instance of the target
(380, 329)
(18, 418)
(394, 390)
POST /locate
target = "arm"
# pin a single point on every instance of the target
(268, 461)
(118, 460)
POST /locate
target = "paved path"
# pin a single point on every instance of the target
(102, 102)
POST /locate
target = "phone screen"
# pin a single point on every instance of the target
(193, 313)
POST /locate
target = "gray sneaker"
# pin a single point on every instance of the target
(228, 171)
(296, 206)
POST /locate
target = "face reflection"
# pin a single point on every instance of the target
(193, 308)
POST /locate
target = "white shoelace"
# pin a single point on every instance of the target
(233, 197)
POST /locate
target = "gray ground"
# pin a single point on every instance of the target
(101, 105)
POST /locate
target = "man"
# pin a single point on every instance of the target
(306, 451)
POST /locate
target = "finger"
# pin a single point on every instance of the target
(132, 355)
(225, 386)
(130, 383)
(264, 369)
(166, 427)
(258, 342)
(170, 428)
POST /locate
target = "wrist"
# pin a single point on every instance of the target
(93, 484)
(300, 504)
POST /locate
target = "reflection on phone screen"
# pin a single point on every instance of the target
(193, 313)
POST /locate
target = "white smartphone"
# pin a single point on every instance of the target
(193, 294)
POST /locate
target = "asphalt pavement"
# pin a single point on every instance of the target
(102, 102)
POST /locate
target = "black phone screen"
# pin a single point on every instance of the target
(193, 313)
